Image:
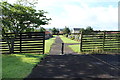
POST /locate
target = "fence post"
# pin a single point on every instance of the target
(43, 42)
(62, 48)
(20, 42)
(81, 36)
(104, 40)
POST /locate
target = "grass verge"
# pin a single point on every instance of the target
(67, 40)
(75, 48)
(48, 44)
(19, 65)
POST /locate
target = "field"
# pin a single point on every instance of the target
(67, 40)
(19, 65)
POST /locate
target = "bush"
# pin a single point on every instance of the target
(66, 35)
(77, 37)
(72, 38)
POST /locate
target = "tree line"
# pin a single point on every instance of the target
(67, 30)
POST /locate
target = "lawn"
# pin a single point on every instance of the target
(75, 48)
(67, 40)
(48, 44)
(19, 65)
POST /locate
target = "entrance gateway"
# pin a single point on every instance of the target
(28, 42)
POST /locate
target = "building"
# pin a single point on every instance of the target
(61, 31)
(76, 30)
(48, 35)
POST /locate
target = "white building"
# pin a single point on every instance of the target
(76, 30)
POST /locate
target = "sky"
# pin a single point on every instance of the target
(99, 14)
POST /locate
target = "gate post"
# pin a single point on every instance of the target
(43, 42)
(104, 33)
(20, 42)
(62, 48)
(81, 36)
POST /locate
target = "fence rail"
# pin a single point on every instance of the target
(103, 40)
(29, 42)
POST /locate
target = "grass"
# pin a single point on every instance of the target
(75, 48)
(48, 44)
(19, 65)
(67, 40)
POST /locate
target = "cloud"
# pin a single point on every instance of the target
(81, 13)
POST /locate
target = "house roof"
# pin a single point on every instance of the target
(61, 29)
(76, 29)
(47, 32)
(113, 32)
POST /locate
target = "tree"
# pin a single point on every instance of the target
(55, 31)
(83, 30)
(17, 18)
(89, 29)
(42, 29)
(66, 30)
(29, 30)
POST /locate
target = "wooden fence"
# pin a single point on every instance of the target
(32, 42)
(100, 40)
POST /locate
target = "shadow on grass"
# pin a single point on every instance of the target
(18, 65)
(73, 66)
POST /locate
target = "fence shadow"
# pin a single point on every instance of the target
(72, 66)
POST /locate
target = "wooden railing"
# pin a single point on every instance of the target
(32, 42)
(100, 40)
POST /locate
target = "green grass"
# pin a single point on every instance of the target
(54, 35)
(75, 48)
(67, 40)
(19, 65)
(48, 44)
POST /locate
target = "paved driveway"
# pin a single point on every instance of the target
(74, 66)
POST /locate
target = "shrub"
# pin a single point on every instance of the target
(66, 35)
(72, 38)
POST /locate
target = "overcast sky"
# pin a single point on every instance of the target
(99, 14)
